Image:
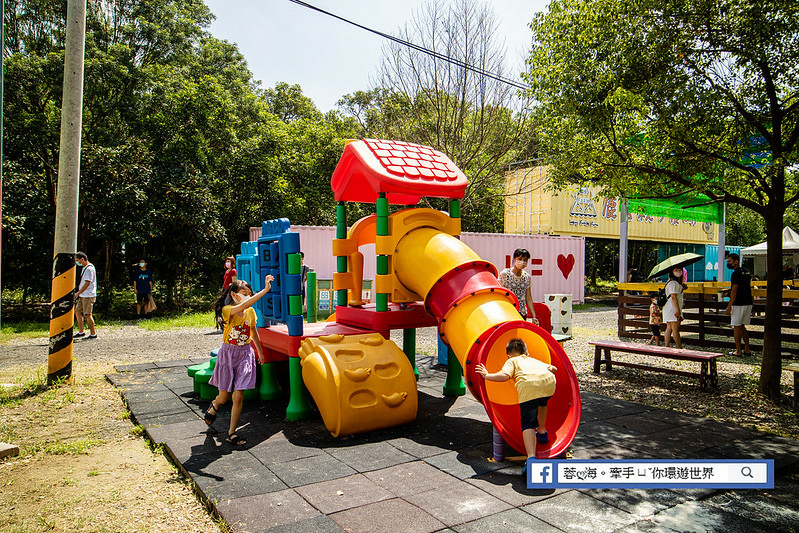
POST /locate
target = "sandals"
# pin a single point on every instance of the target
(235, 440)
(211, 418)
(542, 438)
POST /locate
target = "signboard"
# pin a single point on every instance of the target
(579, 211)
(324, 300)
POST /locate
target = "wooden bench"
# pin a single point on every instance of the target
(707, 373)
(794, 367)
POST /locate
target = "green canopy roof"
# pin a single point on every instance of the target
(684, 207)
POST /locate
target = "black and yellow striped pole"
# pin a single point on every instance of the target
(62, 318)
(59, 362)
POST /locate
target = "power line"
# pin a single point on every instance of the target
(418, 48)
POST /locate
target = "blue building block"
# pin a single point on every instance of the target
(274, 245)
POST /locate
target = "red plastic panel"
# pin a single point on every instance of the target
(563, 409)
(367, 317)
(403, 171)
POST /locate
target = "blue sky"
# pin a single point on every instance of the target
(283, 41)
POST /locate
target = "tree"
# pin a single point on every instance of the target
(659, 98)
(479, 121)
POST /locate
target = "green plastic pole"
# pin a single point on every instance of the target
(341, 261)
(455, 208)
(409, 347)
(299, 406)
(311, 300)
(454, 385)
(381, 299)
(269, 388)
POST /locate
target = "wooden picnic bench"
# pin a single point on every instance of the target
(707, 373)
(794, 367)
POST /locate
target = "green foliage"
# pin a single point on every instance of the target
(657, 98)
(654, 98)
(181, 152)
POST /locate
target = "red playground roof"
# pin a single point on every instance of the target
(404, 171)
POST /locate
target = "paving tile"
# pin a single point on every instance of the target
(644, 526)
(135, 368)
(643, 503)
(777, 508)
(510, 521)
(784, 451)
(607, 451)
(246, 482)
(264, 511)
(319, 524)
(387, 516)
(136, 397)
(409, 478)
(201, 448)
(312, 469)
(591, 434)
(174, 432)
(574, 511)
(143, 407)
(700, 517)
(371, 456)
(509, 486)
(420, 450)
(344, 493)
(277, 449)
(463, 464)
(166, 419)
(598, 407)
(684, 443)
(640, 422)
(674, 417)
(457, 503)
(173, 363)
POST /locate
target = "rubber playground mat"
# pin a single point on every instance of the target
(435, 474)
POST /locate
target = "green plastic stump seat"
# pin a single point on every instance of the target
(202, 377)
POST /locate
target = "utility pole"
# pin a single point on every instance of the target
(59, 363)
(2, 95)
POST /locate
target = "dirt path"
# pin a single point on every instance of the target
(83, 465)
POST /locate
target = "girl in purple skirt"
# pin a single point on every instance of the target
(235, 369)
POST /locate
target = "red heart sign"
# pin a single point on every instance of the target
(566, 264)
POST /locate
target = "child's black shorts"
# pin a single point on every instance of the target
(655, 329)
(529, 412)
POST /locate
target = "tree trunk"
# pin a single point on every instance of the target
(771, 363)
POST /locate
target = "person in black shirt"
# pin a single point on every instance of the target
(740, 306)
(142, 287)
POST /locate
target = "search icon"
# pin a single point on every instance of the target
(747, 472)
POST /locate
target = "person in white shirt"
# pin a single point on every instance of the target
(85, 296)
(519, 282)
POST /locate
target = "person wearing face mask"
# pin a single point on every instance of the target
(519, 282)
(235, 369)
(230, 272)
(672, 311)
(142, 287)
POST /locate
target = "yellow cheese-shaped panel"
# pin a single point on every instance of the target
(359, 382)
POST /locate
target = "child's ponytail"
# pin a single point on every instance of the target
(220, 303)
